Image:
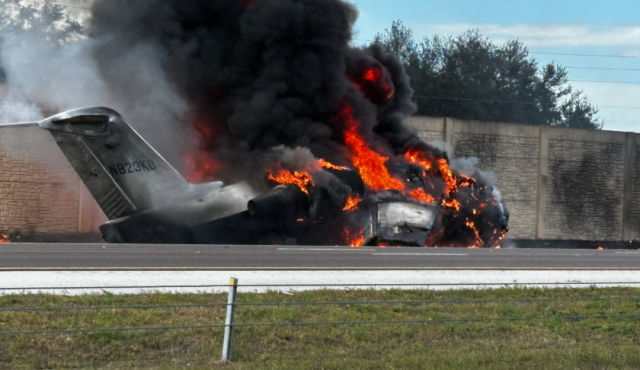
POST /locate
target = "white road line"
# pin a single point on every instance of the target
(419, 254)
(324, 249)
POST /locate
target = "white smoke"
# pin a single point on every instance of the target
(14, 107)
(469, 167)
(43, 79)
(50, 76)
(442, 146)
(498, 196)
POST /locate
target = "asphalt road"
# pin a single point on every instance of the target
(23, 256)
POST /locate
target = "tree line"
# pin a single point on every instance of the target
(470, 77)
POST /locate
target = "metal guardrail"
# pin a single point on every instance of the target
(232, 305)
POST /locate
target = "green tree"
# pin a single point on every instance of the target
(45, 20)
(470, 77)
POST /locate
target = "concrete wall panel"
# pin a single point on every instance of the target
(39, 190)
(635, 202)
(514, 161)
(584, 198)
(557, 183)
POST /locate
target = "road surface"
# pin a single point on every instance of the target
(23, 256)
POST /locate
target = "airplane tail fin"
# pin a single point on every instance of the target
(121, 170)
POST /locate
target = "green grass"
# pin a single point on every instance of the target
(594, 343)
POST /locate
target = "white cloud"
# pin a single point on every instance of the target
(79, 9)
(606, 95)
(543, 36)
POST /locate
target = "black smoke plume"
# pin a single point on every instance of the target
(265, 81)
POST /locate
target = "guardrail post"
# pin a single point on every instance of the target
(228, 325)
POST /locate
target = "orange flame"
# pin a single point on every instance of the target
(352, 203)
(479, 241)
(370, 164)
(421, 195)
(326, 164)
(354, 241)
(415, 156)
(447, 175)
(4, 238)
(358, 242)
(451, 204)
(301, 179)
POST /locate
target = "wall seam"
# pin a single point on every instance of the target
(627, 190)
(543, 176)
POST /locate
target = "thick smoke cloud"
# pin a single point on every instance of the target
(259, 75)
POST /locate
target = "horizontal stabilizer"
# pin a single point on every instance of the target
(19, 124)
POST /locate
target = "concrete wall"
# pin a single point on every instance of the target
(557, 183)
(39, 190)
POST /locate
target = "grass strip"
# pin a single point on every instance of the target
(516, 327)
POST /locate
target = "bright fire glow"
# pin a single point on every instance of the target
(375, 83)
(451, 204)
(372, 75)
(4, 238)
(479, 241)
(447, 175)
(352, 203)
(370, 164)
(358, 242)
(301, 179)
(326, 164)
(421, 195)
(354, 240)
(200, 164)
(415, 156)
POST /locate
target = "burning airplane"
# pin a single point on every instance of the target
(299, 137)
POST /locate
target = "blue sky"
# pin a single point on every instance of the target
(561, 26)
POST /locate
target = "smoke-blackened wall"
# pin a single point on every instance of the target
(558, 183)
